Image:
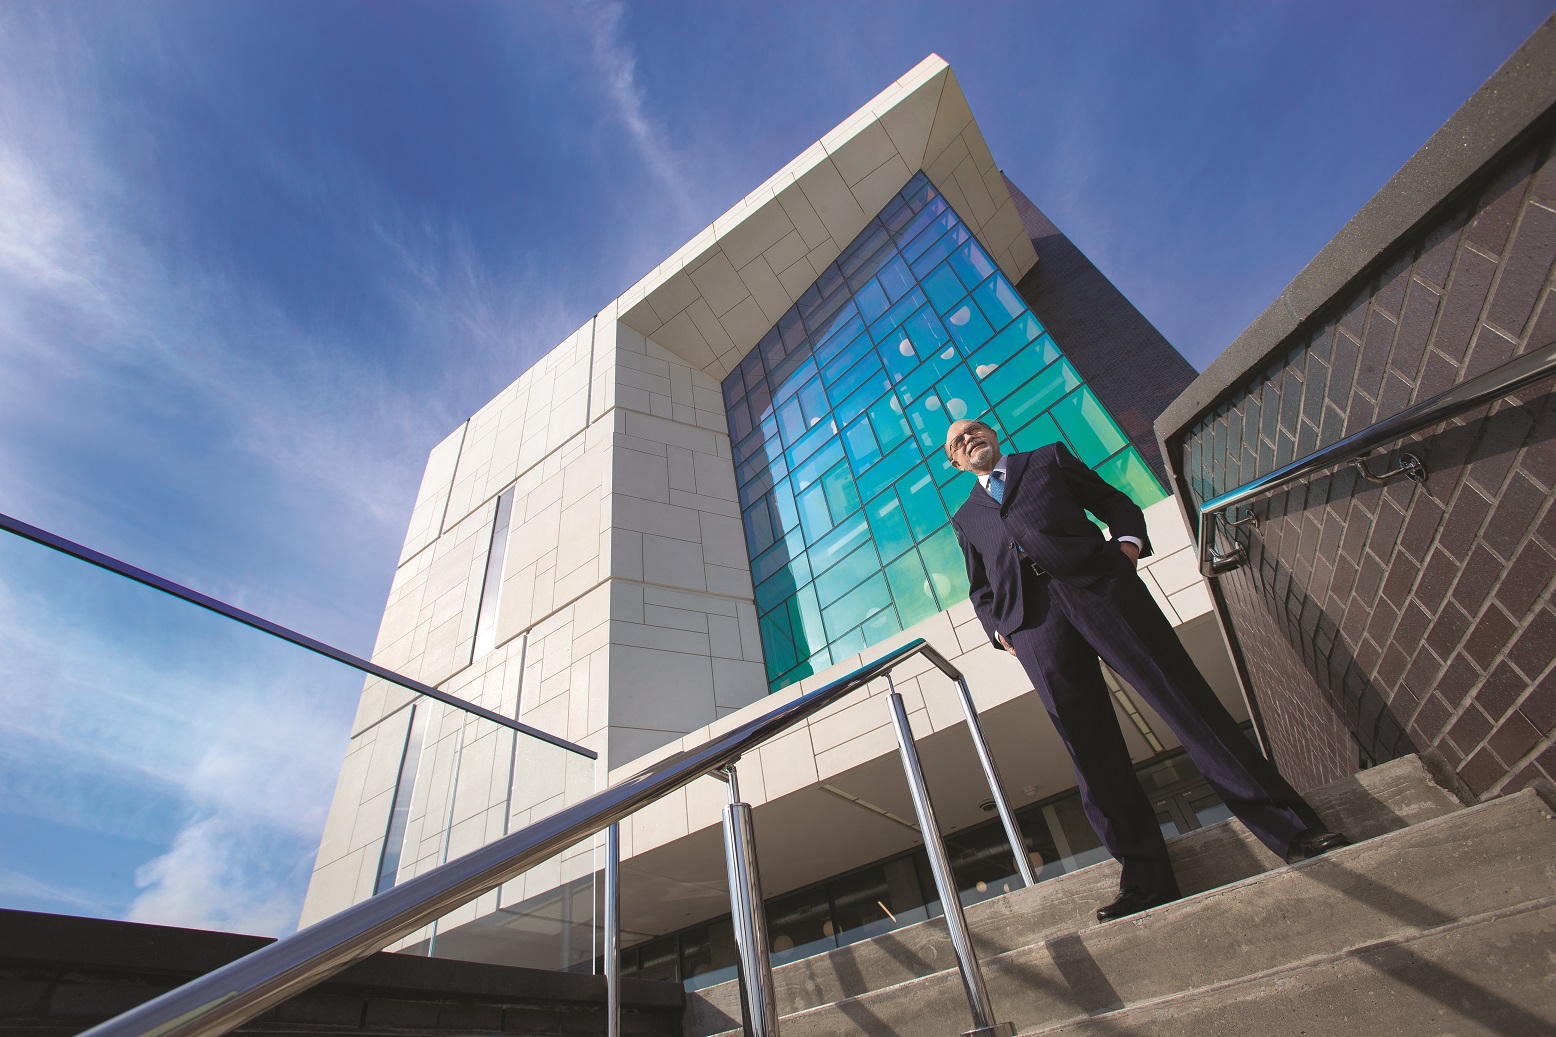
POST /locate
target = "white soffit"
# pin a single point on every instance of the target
(714, 299)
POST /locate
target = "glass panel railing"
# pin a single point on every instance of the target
(487, 782)
(546, 918)
(163, 763)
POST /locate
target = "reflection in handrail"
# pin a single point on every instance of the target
(1518, 373)
(227, 997)
(103, 561)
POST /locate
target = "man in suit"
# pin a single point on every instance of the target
(1050, 590)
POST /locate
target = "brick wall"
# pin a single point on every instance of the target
(1373, 621)
(1134, 371)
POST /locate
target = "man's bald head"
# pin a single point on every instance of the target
(972, 446)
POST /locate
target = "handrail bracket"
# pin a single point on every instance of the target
(1352, 451)
(1219, 564)
(1410, 466)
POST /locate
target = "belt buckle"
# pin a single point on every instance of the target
(1036, 569)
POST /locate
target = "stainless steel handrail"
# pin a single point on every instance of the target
(37, 535)
(1516, 374)
(235, 993)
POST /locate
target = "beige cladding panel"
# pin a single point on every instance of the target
(711, 302)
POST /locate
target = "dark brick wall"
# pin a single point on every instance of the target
(1374, 621)
(60, 975)
(1134, 371)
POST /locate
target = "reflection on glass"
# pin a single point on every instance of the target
(842, 408)
(708, 955)
(800, 924)
(1209, 809)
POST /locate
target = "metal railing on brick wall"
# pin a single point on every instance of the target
(1216, 514)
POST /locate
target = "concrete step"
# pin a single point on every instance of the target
(1483, 860)
(1487, 975)
(1375, 802)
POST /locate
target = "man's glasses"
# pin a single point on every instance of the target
(959, 440)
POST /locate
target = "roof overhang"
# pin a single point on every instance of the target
(714, 299)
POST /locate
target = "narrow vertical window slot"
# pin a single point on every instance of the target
(491, 585)
(399, 814)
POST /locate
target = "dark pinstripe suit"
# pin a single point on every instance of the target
(1091, 603)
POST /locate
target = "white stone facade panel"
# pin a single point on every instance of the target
(432, 499)
(710, 302)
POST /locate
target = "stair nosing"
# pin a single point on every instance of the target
(1313, 961)
(1500, 803)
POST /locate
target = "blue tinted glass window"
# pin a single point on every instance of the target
(839, 414)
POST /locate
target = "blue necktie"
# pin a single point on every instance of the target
(997, 487)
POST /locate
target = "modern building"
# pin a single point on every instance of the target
(727, 488)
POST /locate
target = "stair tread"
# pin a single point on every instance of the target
(1506, 988)
(1374, 802)
(1482, 859)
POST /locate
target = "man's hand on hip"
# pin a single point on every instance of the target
(1008, 646)
(1131, 551)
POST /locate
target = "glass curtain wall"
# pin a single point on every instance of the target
(839, 414)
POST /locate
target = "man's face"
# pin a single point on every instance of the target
(972, 446)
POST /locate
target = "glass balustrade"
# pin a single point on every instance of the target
(163, 763)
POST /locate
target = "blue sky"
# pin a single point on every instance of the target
(256, 259)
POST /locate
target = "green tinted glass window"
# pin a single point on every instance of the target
(839, 414)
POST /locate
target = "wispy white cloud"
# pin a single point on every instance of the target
(123, 715)
(616, 61)
(17, 887)
(207, 880)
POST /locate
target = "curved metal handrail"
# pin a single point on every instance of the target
(37, 535)
(235, 993)
(1516, 374)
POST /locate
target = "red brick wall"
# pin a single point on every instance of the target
(1374, 621)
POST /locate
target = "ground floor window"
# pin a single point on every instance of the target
(899, 891)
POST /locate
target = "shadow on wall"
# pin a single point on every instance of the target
(1375, 692)
(1358, 706)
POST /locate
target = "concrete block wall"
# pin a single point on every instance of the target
(1374, 621)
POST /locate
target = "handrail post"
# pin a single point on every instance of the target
(613, 931)
(956, 922)
(231, 995)
(991, 774)
(758, 997)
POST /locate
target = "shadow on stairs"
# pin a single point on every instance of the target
(1439, 920)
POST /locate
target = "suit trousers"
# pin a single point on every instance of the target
(1066, 630)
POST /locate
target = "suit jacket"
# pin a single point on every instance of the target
(1047, 494)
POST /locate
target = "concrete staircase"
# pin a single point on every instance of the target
(1443, 921)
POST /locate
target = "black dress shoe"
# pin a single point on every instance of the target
(1312, 842)
(1132, 900)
